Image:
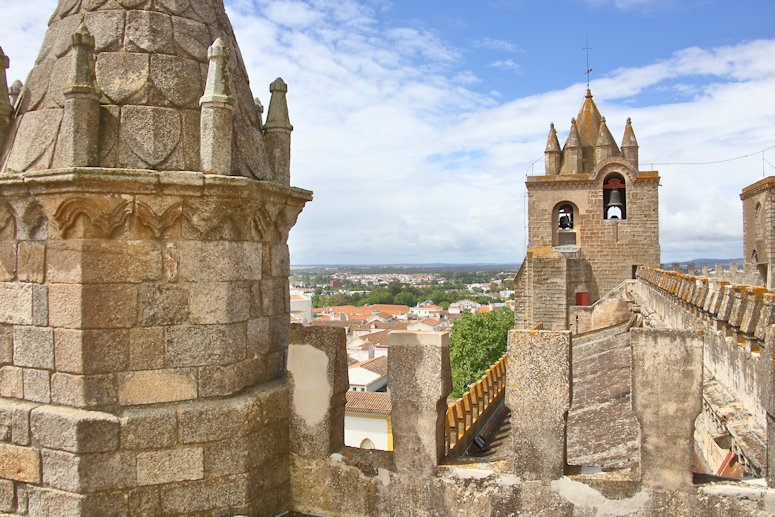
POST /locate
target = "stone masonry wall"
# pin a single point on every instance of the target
(144, 327)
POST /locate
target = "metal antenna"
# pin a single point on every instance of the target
(589, 70)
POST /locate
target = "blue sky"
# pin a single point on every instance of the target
(417, 121)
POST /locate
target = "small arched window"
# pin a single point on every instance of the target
(367, 444)
(614, 197)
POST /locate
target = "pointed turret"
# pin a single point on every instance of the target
(6, 108)
(215, 127)
(630, 145)
(79, 133)
(588, 122)
(278, 132)
(572, 152)
(605, 147)
(552, 154)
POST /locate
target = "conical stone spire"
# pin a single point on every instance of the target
(552, 154)
(630, 145)
(151, 68)
(572, 153)
(605, 147)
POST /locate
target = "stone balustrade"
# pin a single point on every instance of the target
(467, 416)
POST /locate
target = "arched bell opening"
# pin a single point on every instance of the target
(614, 197)
(564, 221)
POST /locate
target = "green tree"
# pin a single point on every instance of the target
(476, 341)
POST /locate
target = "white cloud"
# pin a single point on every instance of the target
(409, 163)
(505, 64)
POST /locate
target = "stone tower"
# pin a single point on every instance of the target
(144, 312)
(759, 228)
(592, 216)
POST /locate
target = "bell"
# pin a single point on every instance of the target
(615, 199)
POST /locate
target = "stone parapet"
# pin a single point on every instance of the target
(317, 368)
(419, 380)
(667, 398)
(538, 395)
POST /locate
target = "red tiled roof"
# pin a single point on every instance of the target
(377, 365)
(390, 309)
(369, 402)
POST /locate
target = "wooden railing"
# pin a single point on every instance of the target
(467, 415)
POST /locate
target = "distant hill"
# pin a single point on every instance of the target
(711, 261)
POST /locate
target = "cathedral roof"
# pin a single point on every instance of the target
(150, 65)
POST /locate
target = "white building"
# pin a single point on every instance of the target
(367, 421)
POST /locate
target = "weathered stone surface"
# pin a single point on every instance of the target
(667, 397)
(37, 385)
(163, 304)
(6, 344)
(12, 382)
(7, 261)
(208, 421)
(87, 473)
(16, 303)
(31, 262)
(74, 430)
(20, 463)
(420, 381)
(187, 497)
(7, 496)
(93, 306)
(47, 501)
(123, 75)
(151, 387)
(317, 366)
(33, 347)
(91, 351)
(169, 466)
(202, 345)
(212, 303)
(15, 421)
(177, 80)
(538, 395)
(225, 261)
(274, 296)
(146, 348)
(34, 143)
(148, 31)
(140, 148)
(148, 428)
(220, 381)
(83, 391)
(104, 262)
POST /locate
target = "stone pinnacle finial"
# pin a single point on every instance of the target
(259, 112)
(14, 91)
(216, 115)
(277, 118)
(6, 109)
(277, 131)
(4, 64)
(82, 77)
(218, 86)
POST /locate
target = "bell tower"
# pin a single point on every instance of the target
(592, 218)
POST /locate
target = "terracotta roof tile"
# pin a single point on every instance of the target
(368, 402)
